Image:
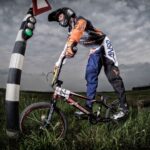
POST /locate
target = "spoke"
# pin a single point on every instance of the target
(34, 119)
(54, 127)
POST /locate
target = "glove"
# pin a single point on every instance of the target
(71, 49)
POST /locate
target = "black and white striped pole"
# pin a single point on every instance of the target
(14, 76)
(16, 64)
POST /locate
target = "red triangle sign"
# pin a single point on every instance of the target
(40, 6)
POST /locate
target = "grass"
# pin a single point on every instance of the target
(134, 133)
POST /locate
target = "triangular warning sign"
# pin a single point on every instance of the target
(40, 6)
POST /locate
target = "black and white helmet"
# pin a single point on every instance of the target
(68, 13)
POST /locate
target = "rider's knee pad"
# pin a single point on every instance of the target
(114, 74)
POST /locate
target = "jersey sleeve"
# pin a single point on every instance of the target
(77, 31)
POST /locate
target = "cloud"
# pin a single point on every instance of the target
(125, 22)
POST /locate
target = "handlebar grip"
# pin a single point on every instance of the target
(75, 49)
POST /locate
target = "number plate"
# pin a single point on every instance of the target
(62, 92)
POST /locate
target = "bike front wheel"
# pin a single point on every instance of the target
(34, 120)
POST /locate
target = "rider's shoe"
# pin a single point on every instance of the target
(81, 114)
(122, 113)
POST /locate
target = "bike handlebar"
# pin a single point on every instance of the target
(56, 71)
(58, 66)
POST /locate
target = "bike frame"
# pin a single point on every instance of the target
(67, 95)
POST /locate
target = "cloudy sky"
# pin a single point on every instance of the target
(126, 22)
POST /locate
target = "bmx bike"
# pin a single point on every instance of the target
(41, 116)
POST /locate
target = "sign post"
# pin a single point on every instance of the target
(16, 63)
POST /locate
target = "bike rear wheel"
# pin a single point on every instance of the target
(33, 120)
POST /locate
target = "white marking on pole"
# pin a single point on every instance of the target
(16, 61)
(12, 92)
(19, 36)
(26, 17)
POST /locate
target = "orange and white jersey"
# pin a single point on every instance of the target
(84, 33)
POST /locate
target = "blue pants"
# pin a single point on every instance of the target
(93, 68)
(95, 62)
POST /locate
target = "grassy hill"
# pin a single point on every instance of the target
(134, 133)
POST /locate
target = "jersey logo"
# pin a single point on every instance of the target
(110, 49)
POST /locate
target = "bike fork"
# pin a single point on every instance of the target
(50, 113)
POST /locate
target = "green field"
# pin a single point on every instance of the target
(134, 133)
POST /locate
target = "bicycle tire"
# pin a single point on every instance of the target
(31, 120)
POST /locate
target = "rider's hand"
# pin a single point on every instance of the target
(69, 53)
(71, 49)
